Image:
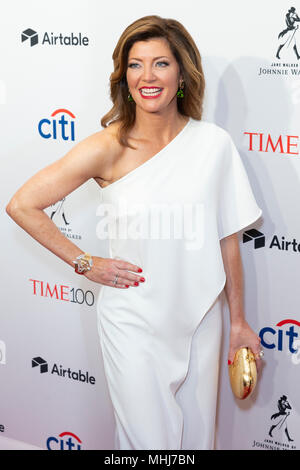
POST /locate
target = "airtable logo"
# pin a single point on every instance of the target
(259, 241)
(30, 34)
(38, 361)
(54, 40)
(257, 237)
(78, 376)
(63, 128)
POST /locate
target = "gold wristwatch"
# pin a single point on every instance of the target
(83, 263)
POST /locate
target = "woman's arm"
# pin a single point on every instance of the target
(240, 332)
(234, 287)
(51, 184)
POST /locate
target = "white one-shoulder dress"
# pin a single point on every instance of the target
(161, 340)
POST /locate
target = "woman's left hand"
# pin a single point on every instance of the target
(241, 335)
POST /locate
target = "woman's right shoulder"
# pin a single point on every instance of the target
(100, 148)
(106, 139)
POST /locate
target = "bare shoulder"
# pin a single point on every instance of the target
(106, 142)
(110, 152)
(109, 134)
(93, 153)
(108, 162)
(102, 143)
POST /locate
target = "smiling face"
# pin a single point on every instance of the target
(153, 74)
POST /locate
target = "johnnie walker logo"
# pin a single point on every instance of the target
(61, 220)
(279, 433)
(288, 36)
(286, 51)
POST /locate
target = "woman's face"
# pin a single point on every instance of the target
(153, 74)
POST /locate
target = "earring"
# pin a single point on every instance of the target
(180, 93)
(129, 96)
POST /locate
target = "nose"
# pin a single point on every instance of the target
(148, 74)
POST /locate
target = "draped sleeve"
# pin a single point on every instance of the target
(237, 206)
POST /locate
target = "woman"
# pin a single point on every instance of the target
(160, 330)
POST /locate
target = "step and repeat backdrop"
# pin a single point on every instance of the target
(56, 59)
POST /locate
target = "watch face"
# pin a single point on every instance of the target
(79, 270)
(82, 264)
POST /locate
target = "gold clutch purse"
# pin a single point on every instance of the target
(243, 373)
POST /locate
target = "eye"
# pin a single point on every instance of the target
(135, 63)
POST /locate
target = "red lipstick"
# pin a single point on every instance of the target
(147, 97)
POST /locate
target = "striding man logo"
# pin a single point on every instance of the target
(279, 419)
(288, 37)
(57, 209)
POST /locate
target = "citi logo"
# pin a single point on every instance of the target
(258, 239)
(280, 338)
(54, 40)
(79, 376)
(60, 125)
(65, 442)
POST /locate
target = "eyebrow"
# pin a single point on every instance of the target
(154, 58)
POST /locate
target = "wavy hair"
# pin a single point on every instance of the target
(187, 55)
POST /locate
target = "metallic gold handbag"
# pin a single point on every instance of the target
(243, 373)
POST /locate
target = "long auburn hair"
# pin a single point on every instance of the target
(188, 58)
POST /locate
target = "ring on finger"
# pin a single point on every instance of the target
(115, 281)
(260, 354)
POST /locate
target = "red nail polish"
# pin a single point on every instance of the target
(140, 270)
(142, 279)
(136, 283)
(126, 286)
(229, 362)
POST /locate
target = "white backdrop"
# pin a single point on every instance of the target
(48, 314)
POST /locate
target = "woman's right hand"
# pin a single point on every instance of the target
(104, 271)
